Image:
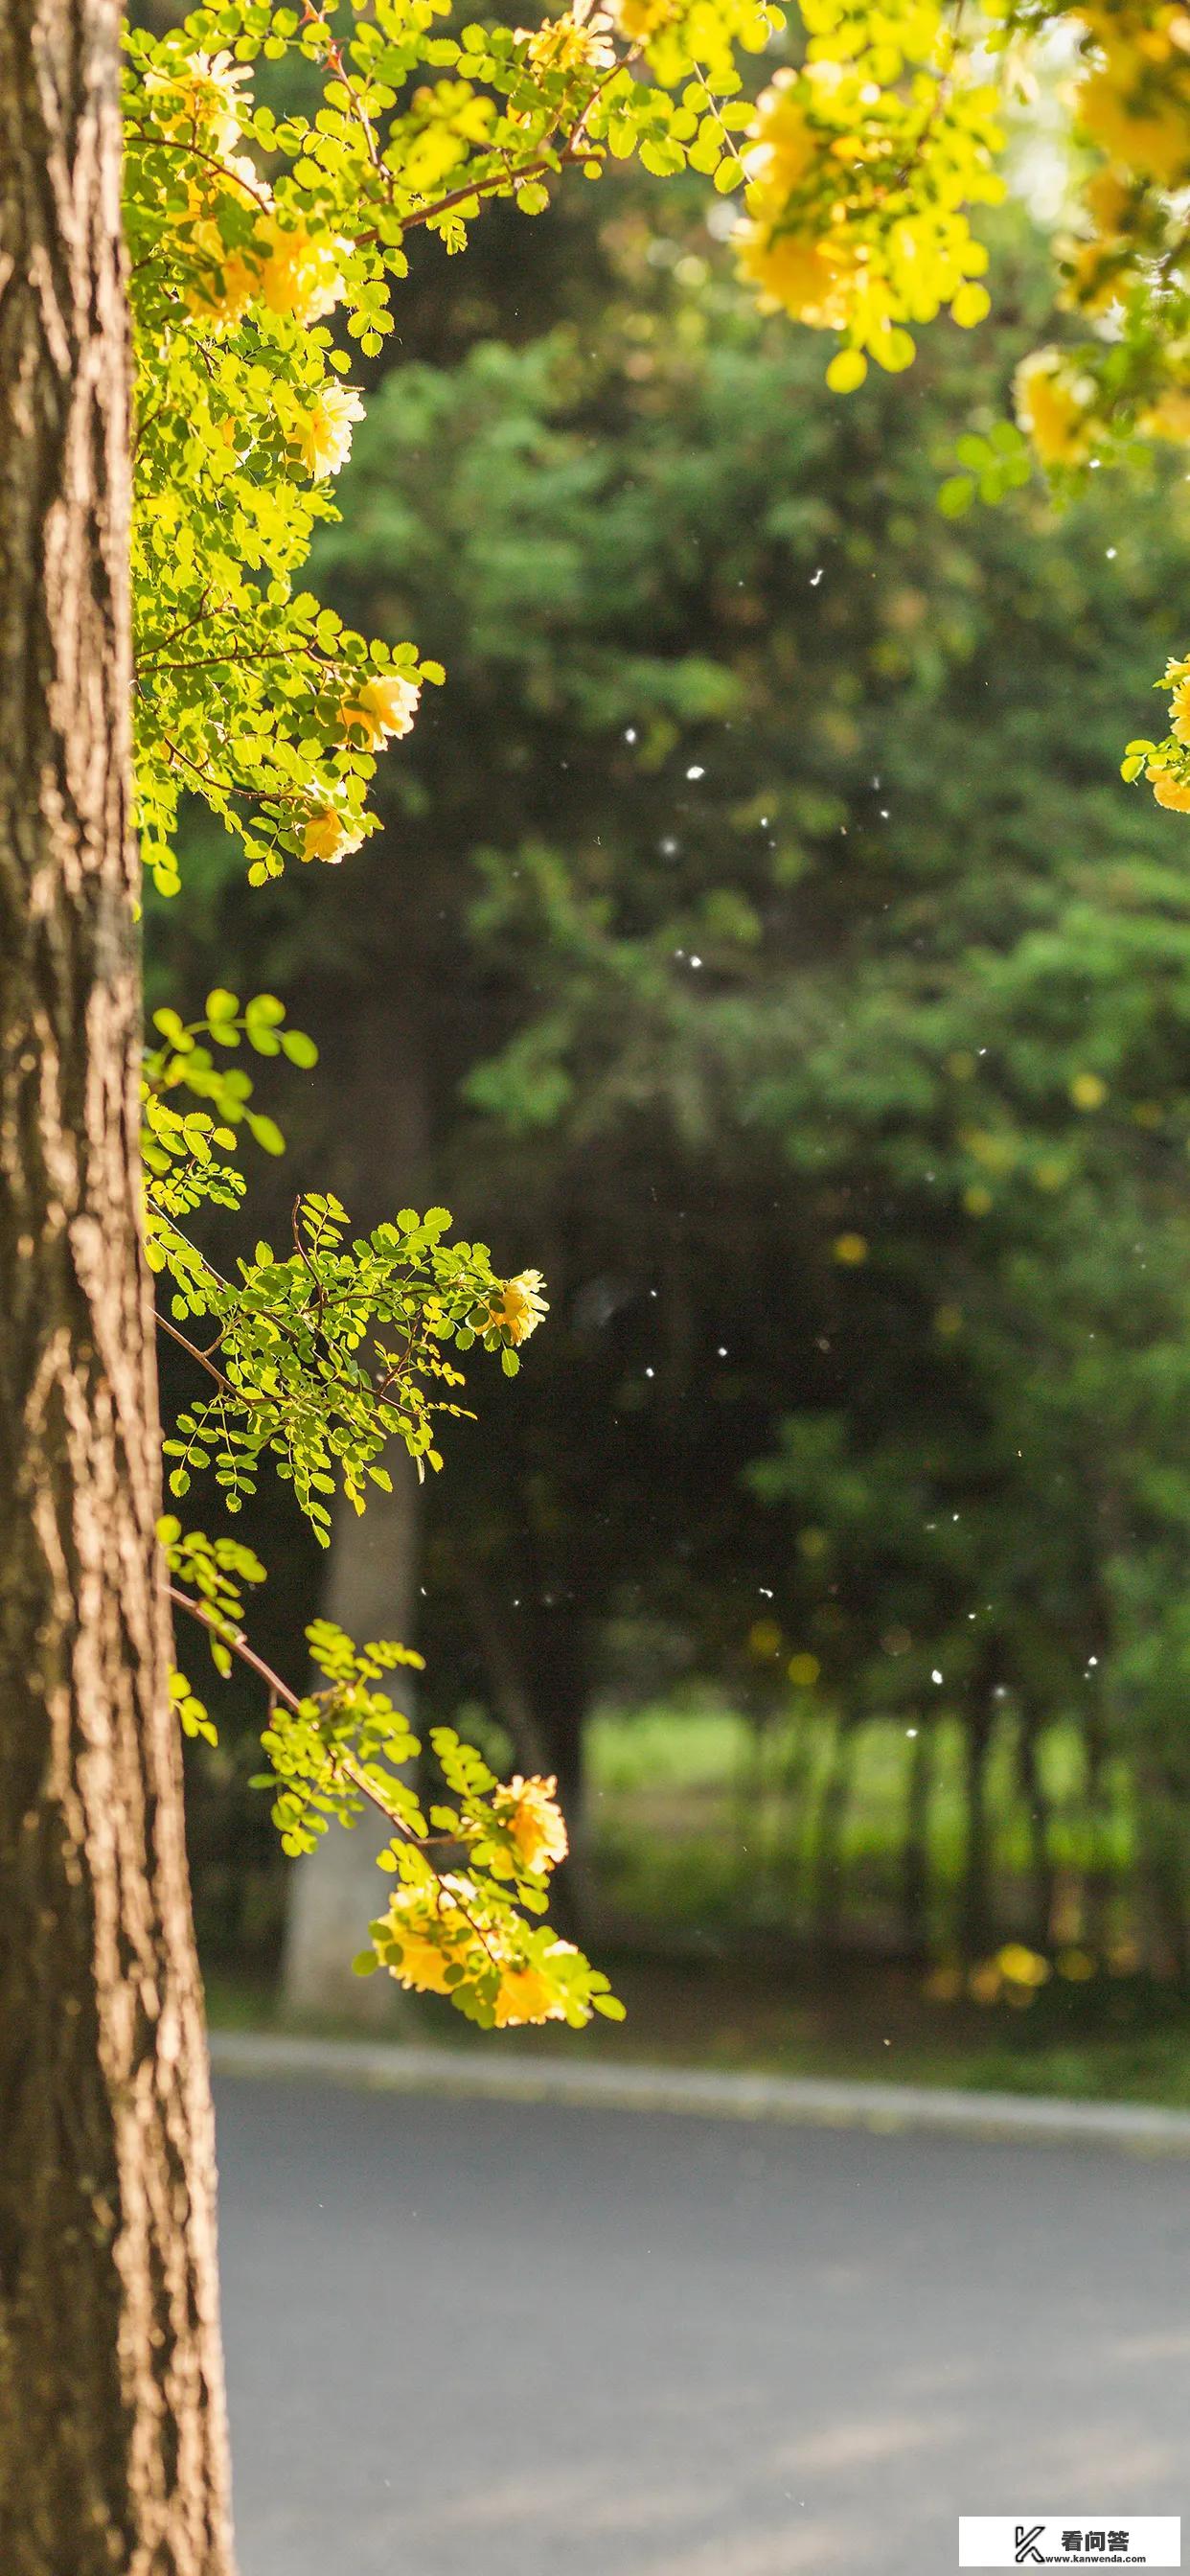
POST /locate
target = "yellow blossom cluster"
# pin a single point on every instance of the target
(1166, 765)
(1134, 101)
(519, 1307)
(294, 272)
(200, 103)
(322, 435)
(434, 1939)
(330, 837)
(530, 1814)
(201, 96)
(857, 190)
(1055, 405)
(299, 273)
(381, 710)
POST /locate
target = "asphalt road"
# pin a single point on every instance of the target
(484, 2339)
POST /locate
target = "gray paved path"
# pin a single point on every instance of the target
(480, 2338)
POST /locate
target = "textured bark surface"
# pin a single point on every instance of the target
(112, 2435)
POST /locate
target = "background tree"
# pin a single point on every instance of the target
(784, 1179)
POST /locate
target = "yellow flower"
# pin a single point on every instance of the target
(529, 1812)
(526, 1996)
(1153, 139)
(300, 272)
(206, 88)
(562, 45)
(323, 434)
(382, 709)
(637, 20)
(432, 1933)
(1169, 416)
(520, 1306)
(1094, 270)
(1108, 199)
(223, 287)
(797, 274)
(851, 1250)
(786, 143)
(1179, 712)
(1170, 791)
(1051, 408)
(1088, 1091)
(329, 837)
(423, 1963)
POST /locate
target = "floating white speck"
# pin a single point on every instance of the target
(935, 1676)
(911, 1730)
(816, 577)
(696, 772)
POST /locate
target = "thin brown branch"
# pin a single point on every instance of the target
(167, 143)
(278, 1690)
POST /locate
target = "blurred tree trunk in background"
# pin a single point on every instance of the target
(828, 1864)
(915, 1856)
(975, 1914)
(541, 1698)
(1039, 1822)
(381, 1153)
(336, 1890)
(112, 2431)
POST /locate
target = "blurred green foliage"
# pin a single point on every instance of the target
(820, 1021)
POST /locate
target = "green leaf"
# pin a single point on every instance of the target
(300, 1049)
(266, 1132)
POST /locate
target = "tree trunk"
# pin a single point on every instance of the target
(535, 1749)
(1037, 1810)
(827, 1881)
(976, 1935)
(380, 1155)
(915, 1856)
(112, 2432)
(336, 1890)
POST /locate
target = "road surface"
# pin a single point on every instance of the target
(493, 2339)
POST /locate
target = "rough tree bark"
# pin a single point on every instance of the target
(112, 2432)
